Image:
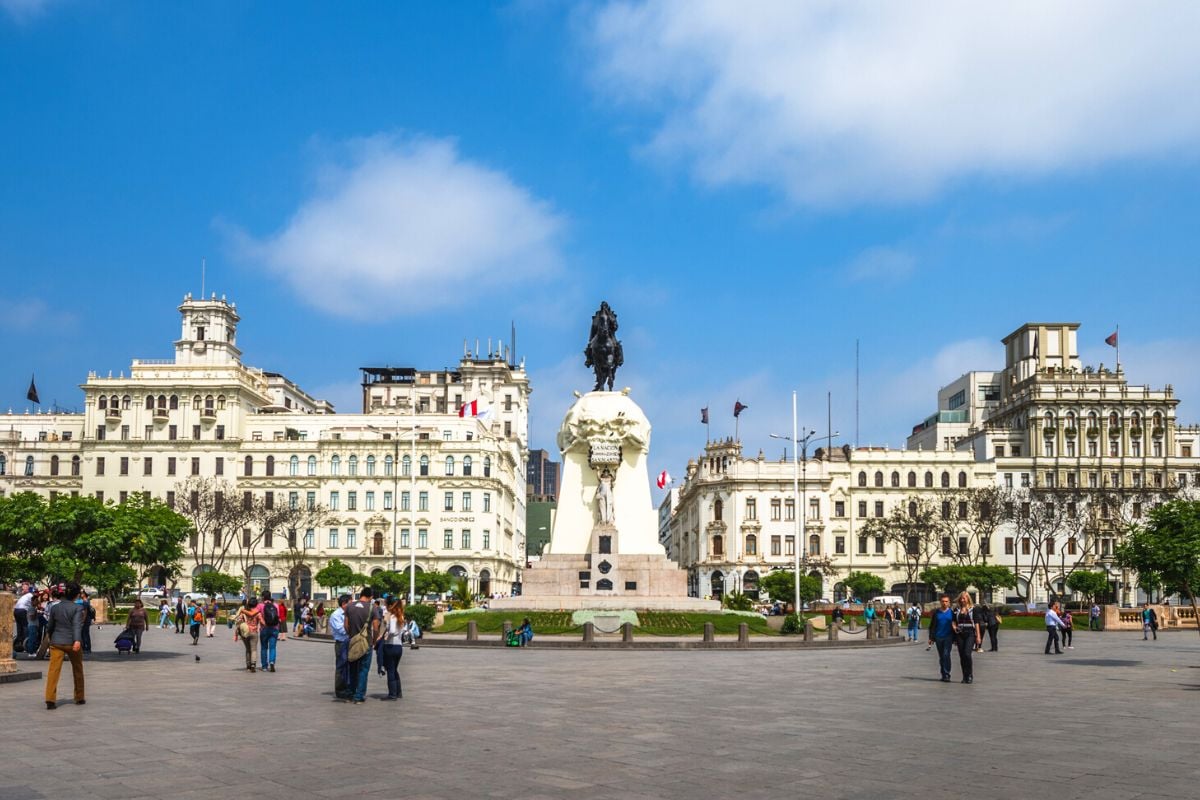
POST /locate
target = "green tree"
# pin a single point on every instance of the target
(1088, 583)
(955, 578)
(216, 583)
(864, 585)
(1166, 550)
(987, 578)
(461, 592)
(736, 601)
(338, 575)
(391, 583)
(780, 586)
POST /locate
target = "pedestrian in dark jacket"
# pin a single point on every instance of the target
(65, 629)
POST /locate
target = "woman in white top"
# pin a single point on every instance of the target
(390, 647)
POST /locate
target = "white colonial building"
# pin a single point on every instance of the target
(408, 474)
(1045, 429)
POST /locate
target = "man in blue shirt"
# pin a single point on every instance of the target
(1053, 624)
(941, 633)
(342, 690)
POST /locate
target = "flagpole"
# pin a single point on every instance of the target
(1118, 348)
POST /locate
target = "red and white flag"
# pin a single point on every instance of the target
(469, 409)
(664, 479)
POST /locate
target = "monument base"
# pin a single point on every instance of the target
(642, 582)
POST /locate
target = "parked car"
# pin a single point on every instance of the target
(150, 593)
(192, 596)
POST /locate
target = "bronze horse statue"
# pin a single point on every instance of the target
(603, 352)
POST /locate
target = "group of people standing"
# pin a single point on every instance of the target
(31, 618)
(259, 624)
(364, 629)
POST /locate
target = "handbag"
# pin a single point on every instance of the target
(360, 643)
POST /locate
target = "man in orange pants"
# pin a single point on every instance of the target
(65, 630)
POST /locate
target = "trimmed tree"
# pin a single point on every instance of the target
(215, 583)
(1088, 583)
(863, 584)
(337, 574)
(1167, 549)
(780, 586)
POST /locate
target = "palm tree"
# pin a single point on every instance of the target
(462, 593)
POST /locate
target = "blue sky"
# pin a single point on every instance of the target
(753, 188)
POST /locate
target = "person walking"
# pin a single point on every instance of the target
(195, 617)
(164, 614)
(341, 640)
(269, 632)
(1149, 623)
(941, 633)
(65, 630)
(869, 614)
(89, 616)
(21, 612)
(1094, 617)
(1068, 631)
(914, 621)
(210, 617)
(137, 623)
(246, 627)
(180, 614)
(392, 648)
(37, 624)
(361, 614)
(1054, 624)
(297, 607)
(968, 636)
(282, 608)
(995, 620)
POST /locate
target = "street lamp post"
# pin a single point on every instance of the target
(800, 491)
(412, 476)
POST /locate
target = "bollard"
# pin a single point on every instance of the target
(627, 632)
(472, 631)
(870, 631)
(743, 633)
(808, 630)
(709, 632)
(834, 627)
(852, 625)
(589, 632)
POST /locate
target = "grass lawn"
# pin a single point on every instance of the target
(654, 623)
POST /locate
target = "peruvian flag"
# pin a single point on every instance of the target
(1111, 341)
(472, 409)
(664, 479)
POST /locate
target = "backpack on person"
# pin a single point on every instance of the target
(270, 615)
(198, 615)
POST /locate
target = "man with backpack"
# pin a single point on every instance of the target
(362, 623)
(180, 610)
(914, 621)
(195, 618)
(269, 633)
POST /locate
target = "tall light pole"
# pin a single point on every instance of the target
(800, 490)
(412, 477)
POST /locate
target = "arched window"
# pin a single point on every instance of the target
(312, 465)
(1158, 420)
(335, 465)
(352, 465)
(895, 479)
(912, 479)
(1093, 420)
(270, 465)
(945, 480)
(751, 544)
(248, 468)
(377, 544)
(294, 465)
(1135, 420)
(1114, 421)
(449, 465)
(102, 403)
(174, 402)
(406, 466)
(878, 478)
(467, 466)
(220, 402)
(208, 402)
(814, 545)
(126, 401)
(862, 478)
(750, 584)
(962, 480)
(718, 508)
(162, 401)
(112, 402)
(4, 464)
(75, 465)
(370, 466)
(487, 466)
(196, 403)
(260, 579)
(928, 480)
(1048, 419)
(28, 466)
(912, 509)
(53, 465)
(1070, 419)
(149, 402)
(717, 584)
(423, 465)
(718, 545)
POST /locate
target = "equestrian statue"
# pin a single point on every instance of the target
(604, 353)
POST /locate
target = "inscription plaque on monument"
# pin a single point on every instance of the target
(604, 451)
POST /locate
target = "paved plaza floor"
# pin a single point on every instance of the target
(1113, 718)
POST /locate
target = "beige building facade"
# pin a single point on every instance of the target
(407, 475)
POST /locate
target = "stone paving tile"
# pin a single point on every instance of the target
(1111, 718)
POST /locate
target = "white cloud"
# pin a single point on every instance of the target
(881, 264)
(33, 315)
(835, 103)
(407, 225)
